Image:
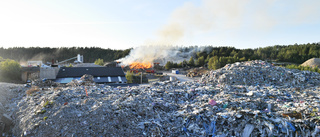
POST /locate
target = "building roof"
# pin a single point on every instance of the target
(121, 79)
(94, 71)
(86, 65)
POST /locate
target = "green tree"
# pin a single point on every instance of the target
(201, 61)
(99, 62)
(214, 63)
(191, 62)
(129, 77)
(233, 53)
(10, 70)
(168, 65)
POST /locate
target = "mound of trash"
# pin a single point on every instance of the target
(260, 73)
(84, 80)
(9, 95)
(212, 107)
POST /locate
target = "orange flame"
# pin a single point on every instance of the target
(139, 65)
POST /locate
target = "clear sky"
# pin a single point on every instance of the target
(121, 24)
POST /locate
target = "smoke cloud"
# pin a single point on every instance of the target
(219, 16)
(185, 21)
(161, 54)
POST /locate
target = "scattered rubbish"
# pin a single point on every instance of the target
(44, 83)
(247, 130)
(293, 115)
(252, 98)
(212, 102)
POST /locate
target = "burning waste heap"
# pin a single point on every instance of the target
(140, 66)
(241, 99)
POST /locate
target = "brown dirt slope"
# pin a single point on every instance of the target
(313, 62)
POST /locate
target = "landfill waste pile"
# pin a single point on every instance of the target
(196, 72)
(260, 73)
(84, 80)
(43, 83)
(241, 99)
(8, 92)
(87, 78)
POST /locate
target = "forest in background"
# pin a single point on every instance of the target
(297, 54)
(46, 54)
(217, 57)
(211, 57)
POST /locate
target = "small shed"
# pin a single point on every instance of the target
(100, 74)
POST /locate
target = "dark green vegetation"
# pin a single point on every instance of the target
(46, 54)
(135, 78)
(99, 62)
(10, 70)
(217, 57)
(313, 69)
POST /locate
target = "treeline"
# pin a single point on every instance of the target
(212, 57)
(46, 54)
(217, 57)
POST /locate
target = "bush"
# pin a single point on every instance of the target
(10, 70)
(129, 77)
(136, 78)
(302, 68)
(168, 65)
(99, 62)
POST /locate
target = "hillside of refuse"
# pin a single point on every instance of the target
(252, 98)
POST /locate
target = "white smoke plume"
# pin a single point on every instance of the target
(183, 21)
(216, 16)
(161, 54)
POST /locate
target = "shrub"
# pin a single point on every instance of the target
(99, 62)
(129, 77)
(10, 70)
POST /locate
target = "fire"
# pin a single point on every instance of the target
(139, 65)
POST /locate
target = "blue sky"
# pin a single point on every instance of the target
(124, 24)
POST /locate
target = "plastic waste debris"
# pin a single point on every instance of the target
(212, 102)
(252, 98)
(247, 130)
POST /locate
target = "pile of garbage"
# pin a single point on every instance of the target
(260, 73)
(87, 78)
(217, 106)
(43, 83)
(7, 105)
(196, 72)
(84, 80)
